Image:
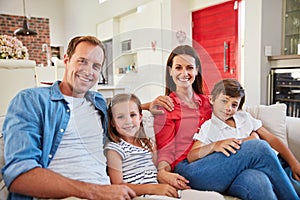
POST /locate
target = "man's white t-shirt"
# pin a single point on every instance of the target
(80, 155)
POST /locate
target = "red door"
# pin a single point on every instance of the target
(215, 37)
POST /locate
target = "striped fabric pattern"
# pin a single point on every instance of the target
(137, 164)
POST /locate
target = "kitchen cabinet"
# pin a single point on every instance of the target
(45, 76)
(126, 63)
(291, 27)
(109, 91)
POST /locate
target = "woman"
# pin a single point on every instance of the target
(247, 177)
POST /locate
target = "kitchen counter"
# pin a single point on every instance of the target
(109, 91)
(15, 64)
(284, 61)
(15, 75)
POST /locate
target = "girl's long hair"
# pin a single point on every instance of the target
(140, 136)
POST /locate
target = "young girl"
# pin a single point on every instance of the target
(229, 126)
(130, 154)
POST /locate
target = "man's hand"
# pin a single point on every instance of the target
(116, 192)
(161, 101)
(32, 183)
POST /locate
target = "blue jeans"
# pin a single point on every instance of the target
(289, 172)
(254, 172)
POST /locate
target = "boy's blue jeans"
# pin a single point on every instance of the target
(254, 172)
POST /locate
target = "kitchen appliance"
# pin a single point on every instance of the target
(284, 87)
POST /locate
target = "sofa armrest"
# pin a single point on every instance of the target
(293, 135)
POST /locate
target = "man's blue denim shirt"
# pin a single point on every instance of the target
(33, 128)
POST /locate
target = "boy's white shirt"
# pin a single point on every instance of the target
(215, 129)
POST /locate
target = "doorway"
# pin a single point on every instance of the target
(106, 75)
(217, 38)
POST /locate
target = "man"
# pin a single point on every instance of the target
(53, 136)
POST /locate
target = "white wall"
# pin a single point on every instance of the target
(76, 17)
(252, 82)
(262, 29)
(270, 36)
(69, 17)
(147, 81)
(82, 17)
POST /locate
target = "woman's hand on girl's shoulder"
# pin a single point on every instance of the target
(161, 101)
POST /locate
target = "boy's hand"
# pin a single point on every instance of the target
(227, 146)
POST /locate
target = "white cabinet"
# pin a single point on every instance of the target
(109, 91)
(45, 76)
(15, 75)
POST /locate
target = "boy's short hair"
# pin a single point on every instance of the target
(230, 87)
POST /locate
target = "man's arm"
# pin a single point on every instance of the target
(44, 183)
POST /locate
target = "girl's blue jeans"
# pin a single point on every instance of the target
(254, 172)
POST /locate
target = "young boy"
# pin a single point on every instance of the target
(230, 126)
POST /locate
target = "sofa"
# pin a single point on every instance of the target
(273, 118)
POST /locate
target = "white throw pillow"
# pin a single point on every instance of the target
(273, 118)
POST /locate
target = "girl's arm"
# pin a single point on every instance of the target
(114, 166)
(114, 163)
(227, 146)
(283, 150)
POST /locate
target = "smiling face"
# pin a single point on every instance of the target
(126, 119)
(82, 69)
(224, 107)
(183, 71)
